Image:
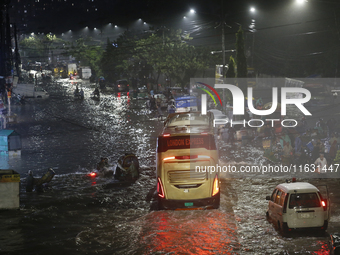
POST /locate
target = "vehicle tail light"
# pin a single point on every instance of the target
(118, 86)
(324, 205)
(166, 135)
(160, 189)
(168, 158)
(93, 174)
(216, 186)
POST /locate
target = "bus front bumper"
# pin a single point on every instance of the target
(204, 203)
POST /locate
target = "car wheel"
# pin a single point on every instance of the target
(325, 225)
(216, 204)
(284, 228)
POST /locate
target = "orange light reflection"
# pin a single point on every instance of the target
(190, 232)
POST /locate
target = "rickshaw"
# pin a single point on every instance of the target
(127, 168)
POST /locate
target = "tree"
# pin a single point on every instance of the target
(241, 60)
(117, 60)
(86, 53)
(231, 68)
(168, 52)
(37, 47)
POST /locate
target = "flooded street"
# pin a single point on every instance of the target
(79, 214)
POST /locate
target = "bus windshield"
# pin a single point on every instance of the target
(188, 119)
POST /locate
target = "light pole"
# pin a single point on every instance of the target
(223, 45)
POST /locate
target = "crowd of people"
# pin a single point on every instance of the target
(154, 104)
(316, 145)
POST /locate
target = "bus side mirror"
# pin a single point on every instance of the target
(267, 197)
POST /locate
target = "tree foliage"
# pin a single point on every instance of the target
(86, 53)
(117, 59)
(37, 47)
(146, 57)
(169, 53)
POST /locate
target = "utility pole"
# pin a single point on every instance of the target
(223, 44)
(17, 55)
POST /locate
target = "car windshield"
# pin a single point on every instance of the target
(304, 200)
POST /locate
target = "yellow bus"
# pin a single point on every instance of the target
(186, 149)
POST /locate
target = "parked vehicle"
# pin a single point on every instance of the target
(30, 90)
(85, 72)
(71, 69)
(298, 205)
(142, 93)
(122, 86)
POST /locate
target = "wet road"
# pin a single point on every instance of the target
(81, 215)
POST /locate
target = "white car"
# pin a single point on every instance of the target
(298, 205)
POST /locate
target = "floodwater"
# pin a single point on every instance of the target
(83, 215)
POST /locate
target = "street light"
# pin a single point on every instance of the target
(192, 11)
(252, 9)
(300, 1)
(219, 51)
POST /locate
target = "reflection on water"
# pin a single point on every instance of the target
(83, 215)
(189, 232)
(69, 134)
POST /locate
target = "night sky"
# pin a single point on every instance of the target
(307, 34)
(62, 15)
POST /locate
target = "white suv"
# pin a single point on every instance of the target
(298, 205)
